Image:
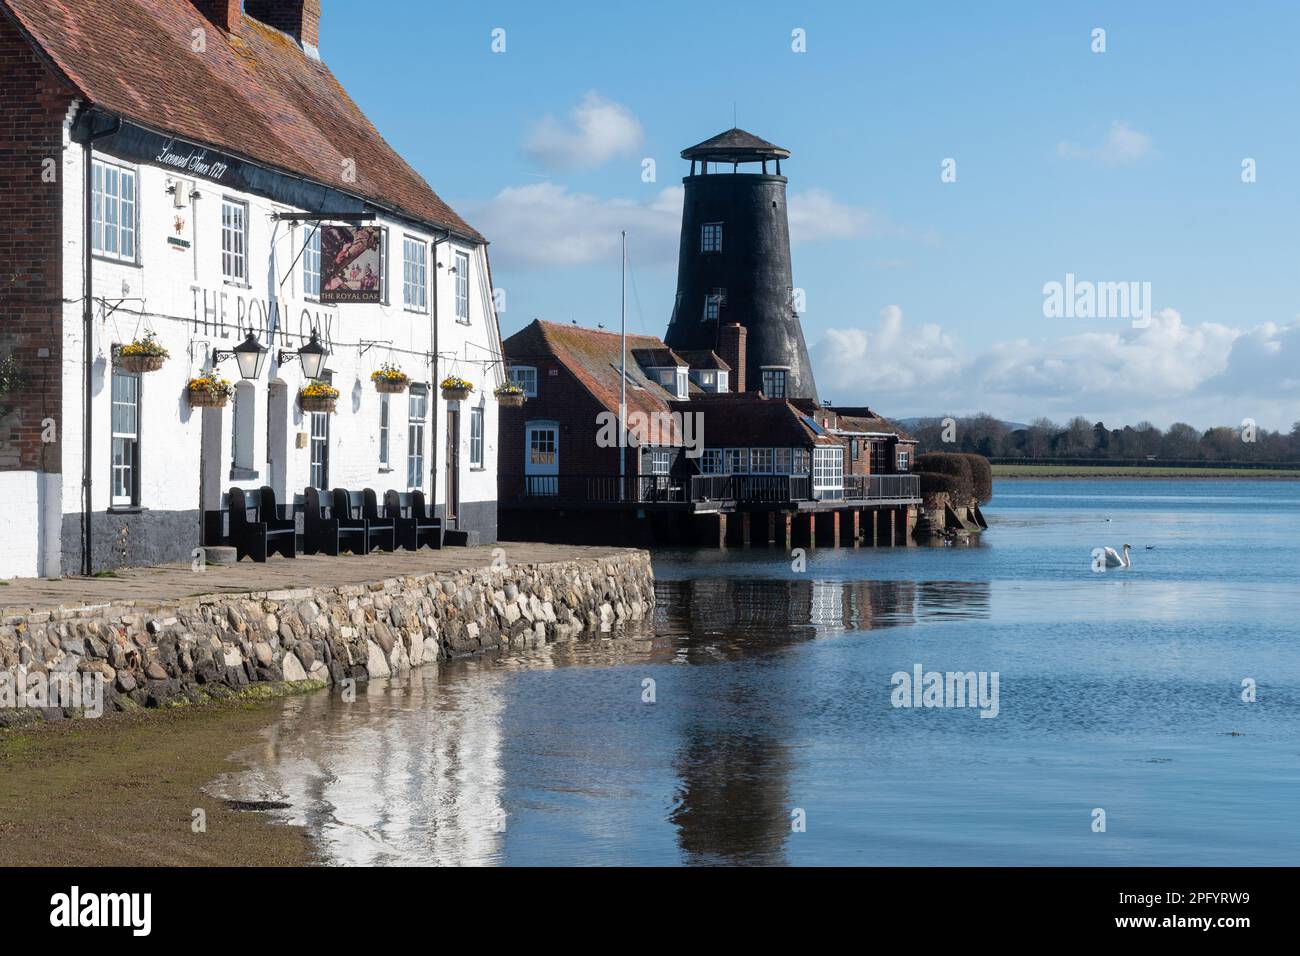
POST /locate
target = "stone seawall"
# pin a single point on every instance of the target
(152, 654)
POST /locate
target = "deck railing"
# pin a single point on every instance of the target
(664, 489)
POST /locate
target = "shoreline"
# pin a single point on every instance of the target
(1131, 476)
(1171, 474)
(157, 761)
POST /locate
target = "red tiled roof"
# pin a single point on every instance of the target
(730, 419)
(593, 358)
(749, 419)
(704, 358)
(253, 93)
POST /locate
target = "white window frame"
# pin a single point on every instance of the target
(760, 461)
(800, 462)
(828, 468)
(462, 287)
(234, 241)
(129, 471)
(415, 258)
(476, 437)
(710, 238)
(661, 461)
(781, 460)
(311, 264)
(903, 460)
(319, 459)
(415, 428)
(737, 461)
(525, 376)
(126, 211)
(385, 432)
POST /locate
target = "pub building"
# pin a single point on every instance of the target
(725, 438)
(187, 177)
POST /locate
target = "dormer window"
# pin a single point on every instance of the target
(675, 380)
(774, 382)
(711, 237)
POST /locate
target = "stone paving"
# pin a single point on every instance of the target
(174, 582)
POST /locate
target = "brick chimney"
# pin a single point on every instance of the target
(298, 18)
(223, 13)
(731, 349)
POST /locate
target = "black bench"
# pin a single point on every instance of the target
(415, 527)
(349, 508)
(322, 532)
(266, 533)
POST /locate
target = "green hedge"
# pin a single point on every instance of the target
(981, 473)
(963, 476)
(932, 483)
(949, 465)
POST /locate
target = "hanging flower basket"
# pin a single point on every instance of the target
(141, 355)
(455, 389)
(510, 395)
(390, 379)
(208, 391)
(318, 397)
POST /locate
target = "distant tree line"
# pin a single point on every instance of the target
(1044, 439)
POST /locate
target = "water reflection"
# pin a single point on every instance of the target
(484, 761)
(746, 614)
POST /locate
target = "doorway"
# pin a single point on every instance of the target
(453, 464)
(542, 459)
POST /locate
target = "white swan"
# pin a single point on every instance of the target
(1114, 560)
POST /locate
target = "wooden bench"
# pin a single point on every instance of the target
(415, 526)
(266, 532)
(349, 510)
(322, 531)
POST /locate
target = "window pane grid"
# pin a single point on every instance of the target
(234, 237)
(417, 410)
(311, 262)
(413, 274)
(112, 211)
(462, 287)
(476, 437)
(125, 424)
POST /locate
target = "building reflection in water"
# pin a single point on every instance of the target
(733, 804)
(421, 770)
(409, 773)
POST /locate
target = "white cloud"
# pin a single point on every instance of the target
(816, 215)
(1206, 373)
(597, 130)
(1123, 144)
(545, 225)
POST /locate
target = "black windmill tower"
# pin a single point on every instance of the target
(734, 260)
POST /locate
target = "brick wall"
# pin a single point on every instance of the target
(560, 398)
(33, 105)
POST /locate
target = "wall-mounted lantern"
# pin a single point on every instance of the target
(250, 354)
(312, 356)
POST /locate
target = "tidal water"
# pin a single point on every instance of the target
(773, 737)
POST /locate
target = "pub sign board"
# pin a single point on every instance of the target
(351, 264)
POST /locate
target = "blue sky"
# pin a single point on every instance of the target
(923, 296)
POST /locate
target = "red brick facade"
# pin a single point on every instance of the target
(33, 106)
(563, 399)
